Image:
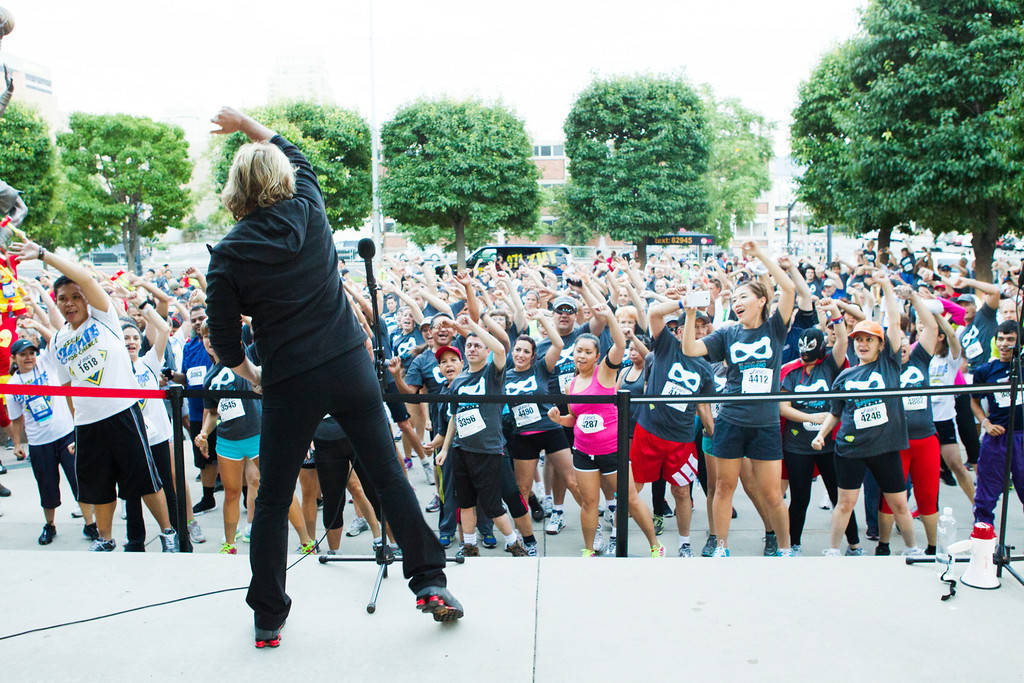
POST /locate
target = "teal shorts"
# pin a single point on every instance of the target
(239, 450)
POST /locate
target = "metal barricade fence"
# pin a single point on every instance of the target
(621, 399)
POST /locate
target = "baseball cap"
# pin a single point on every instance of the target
(967, 299)
(427, 321)
(21, 345)
(445, 349)
(564, 302)
(869, 327)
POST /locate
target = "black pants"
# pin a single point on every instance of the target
(334, 460)
(136, 526)
(346, 388)
(801, 470)
(967, 428)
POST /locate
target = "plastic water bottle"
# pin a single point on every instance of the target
(946, 537)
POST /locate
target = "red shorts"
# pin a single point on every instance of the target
(921, 461)
(653, 458)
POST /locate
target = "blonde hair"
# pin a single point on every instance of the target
(260, 176)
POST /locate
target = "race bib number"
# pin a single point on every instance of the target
(973, 351)
(673, 389)
(812, 427)
(9, 290)
(87, 363)
(469, 423)
(526, 414)
(757, 381)
(590, 423)
(230, 409)
(1003, 399)
(195, 375)
(39, 407)
(870, 416)
(563, 382)
(915, 402)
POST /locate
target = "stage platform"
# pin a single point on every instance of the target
(549, 619)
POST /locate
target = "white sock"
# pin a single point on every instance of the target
(378, 540)
(511, 540)
(558, 508)
(469, 539)
(683, 540)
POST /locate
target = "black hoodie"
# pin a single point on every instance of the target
(279, 266)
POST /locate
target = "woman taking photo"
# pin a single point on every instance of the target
(753, 349)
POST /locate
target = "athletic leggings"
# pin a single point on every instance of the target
(967, 428)
(334, 460)
(346, 388)
(921, 462)
(136, 526)
(801, 471)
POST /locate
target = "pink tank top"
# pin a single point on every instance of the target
(597, 424)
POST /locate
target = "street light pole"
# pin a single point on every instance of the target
(375, 217)
(789, 226)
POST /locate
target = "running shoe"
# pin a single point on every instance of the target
(488, 540)
(882, 549)
(531, 549)
(90, 531)
(396, 552)
(428, 470)
(247, 536)
(268, 637)
(357, 526)
(785, 552)
(709, 548)
(204, 506)
(49, 531)
(195, 532)
(536, 509)
(771, 544)
(831, 552)
(871, 534)
(797, 550)
(308, 548)
(684, 550)
(609, 516)
(555, 524)
(598, 541)
(517, 549)
(825, 503)
(77, 512)
(408, 463)
(440, 603)
(102, 545)
(659, 525)
(947, 477)
(668, 513)
(658, 551)
(228, 549)
(913, 551)
(169, 541)
(319, 503)
(435, 504)
(548, 504)
(854, 552)
(124, 507)
(445, 540)
(3, 470)
(470, 550)
(587, 552)
(4, 491)
(720, 551)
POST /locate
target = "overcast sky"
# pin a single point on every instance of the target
(186, 58)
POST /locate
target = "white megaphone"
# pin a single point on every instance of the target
(981, 570)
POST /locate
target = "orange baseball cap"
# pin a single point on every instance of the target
(869, 327)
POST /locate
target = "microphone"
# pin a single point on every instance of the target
(366, 248)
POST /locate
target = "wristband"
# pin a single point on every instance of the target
(143, 304)
(837, 320)
(680, 304)
(42, 253)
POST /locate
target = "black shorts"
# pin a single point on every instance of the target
(477, 478)
(946, 431)
(47, 461)
(757, 443)
(606, 464)
(398, 411)
(114, 460)
(194, 426)
(887, 468)
(529, 446)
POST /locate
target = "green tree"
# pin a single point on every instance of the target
(567, 227)
(127, 179)
(741, 149)
(638, 149)
(28, 162)
(820, 138)
(459, 165)
(336, 142)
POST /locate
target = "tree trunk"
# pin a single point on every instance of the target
(984, 243)
(460, 244)
(884, 237)
(126, 242)
(641, 252)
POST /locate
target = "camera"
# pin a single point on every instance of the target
(698, 299)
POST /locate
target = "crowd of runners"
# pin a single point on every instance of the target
(730, 323)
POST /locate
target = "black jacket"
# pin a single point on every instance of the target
(279, 266)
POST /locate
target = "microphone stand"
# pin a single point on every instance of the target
(1002, 557)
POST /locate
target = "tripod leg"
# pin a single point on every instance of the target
(381, 574)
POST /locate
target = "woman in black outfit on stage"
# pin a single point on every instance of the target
(279, 266)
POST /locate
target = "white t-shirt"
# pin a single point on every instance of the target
(47, 418)
(94, 356)
(158, 425)
(942, 373)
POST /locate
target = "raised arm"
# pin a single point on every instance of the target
(489, 340)
(555, 350)
(831, 310)
(91, 290)
(787, 289)
(894, 332)
(951, 340)
(929, 336)
(157, 329)
(231, 120)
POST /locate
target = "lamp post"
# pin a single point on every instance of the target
(375, 217)
(789, 227)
